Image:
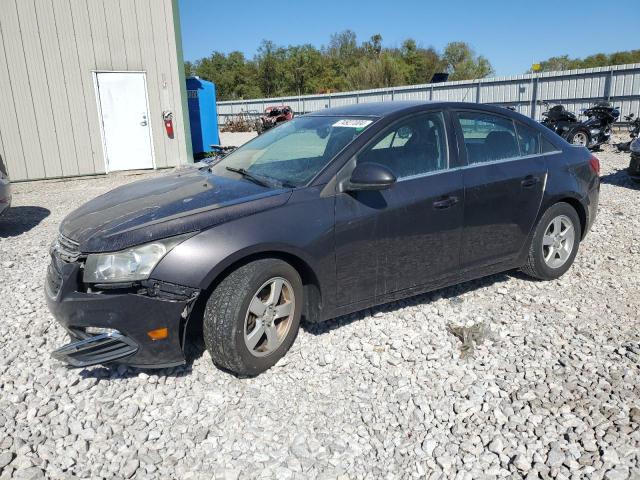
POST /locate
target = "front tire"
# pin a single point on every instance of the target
(555, 243)
(252, 317)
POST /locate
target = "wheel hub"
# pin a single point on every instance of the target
(269, 317)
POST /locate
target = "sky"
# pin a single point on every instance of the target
(511, 34)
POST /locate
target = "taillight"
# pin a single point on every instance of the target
(594, 163)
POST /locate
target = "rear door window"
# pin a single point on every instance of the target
(528, 139)
(488, 137)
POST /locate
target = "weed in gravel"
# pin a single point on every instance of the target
(469, 336)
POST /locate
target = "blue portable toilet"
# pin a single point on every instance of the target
(203, 115)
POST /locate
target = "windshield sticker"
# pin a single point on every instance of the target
(352, 123)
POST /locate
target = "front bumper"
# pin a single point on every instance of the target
(131, 314)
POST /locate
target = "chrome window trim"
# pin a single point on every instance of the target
(493, 162)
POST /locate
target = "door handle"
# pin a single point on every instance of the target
(143, 123)
(530, 181)
(445, 202)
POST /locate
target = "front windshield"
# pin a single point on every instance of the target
(293, 153)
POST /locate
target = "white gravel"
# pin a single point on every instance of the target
(553, 391)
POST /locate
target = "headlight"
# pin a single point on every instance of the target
(129, 265)
(635, 146)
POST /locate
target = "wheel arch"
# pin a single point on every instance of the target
(313, 292)
(577, 205)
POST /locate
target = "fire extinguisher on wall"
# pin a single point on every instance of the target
(167, 116)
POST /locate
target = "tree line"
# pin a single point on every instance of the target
(343, 64)
(564, 62)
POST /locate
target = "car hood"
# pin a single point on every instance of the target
(147, 210)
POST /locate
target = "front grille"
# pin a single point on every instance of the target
(63, 251)
(66, 249)
(97, 349)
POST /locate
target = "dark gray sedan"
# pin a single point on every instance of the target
(327, 214)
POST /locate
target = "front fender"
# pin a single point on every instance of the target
(302, 228)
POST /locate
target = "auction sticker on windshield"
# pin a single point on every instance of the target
(352, 123)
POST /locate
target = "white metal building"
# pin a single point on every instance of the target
(84, 85)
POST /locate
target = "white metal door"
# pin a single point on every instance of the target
(126, 131)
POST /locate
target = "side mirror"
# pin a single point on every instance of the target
(370, 176)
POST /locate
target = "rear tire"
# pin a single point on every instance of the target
(245, 328)
(555, 243)
(579, 137)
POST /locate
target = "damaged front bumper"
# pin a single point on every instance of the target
(126, 314)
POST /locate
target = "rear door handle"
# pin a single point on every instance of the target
(445, 202)
(529, 181)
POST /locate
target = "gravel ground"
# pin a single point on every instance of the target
(546, 383)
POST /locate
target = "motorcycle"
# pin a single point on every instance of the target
(633, 125)
(591, 133)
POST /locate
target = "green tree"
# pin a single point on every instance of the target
(564, 62)
(303, 69)
(341, 65)
(463, 64)
(421, 63)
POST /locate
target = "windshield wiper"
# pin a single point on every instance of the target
(263, 180)
(250, 176)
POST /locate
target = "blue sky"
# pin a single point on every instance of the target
(511, 34)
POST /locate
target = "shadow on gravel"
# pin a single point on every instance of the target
(620, 178)
(19, 220)
(450, 293)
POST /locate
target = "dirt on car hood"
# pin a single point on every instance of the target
(147, 210)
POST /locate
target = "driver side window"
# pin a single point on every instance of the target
(411, 147)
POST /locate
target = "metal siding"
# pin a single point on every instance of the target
(48, 52)
(573, 89)
(87, 61)
(165, 85)
(131, 34)
(39, 85)
(115, 30)
(74, 92)
(100, 33)
(148, 48)
(19, 77)
(174, 76)
(12, 154)
(60, 121)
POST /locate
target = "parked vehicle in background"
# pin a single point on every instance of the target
(332, 212)
(274, 116)
(634, 164)
(5, 191)
(591, 133)
(633, 126)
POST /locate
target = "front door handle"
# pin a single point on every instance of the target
(445, 202)
(530, 181)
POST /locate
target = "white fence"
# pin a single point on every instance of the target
(575, 89)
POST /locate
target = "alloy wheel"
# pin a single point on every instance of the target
(558, 241)
(580, 138)
(269, 317)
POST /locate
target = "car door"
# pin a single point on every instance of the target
(503, 180)
(408, 235)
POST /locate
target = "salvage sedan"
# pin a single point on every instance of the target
(330, 213)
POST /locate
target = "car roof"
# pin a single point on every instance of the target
(383, 109)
